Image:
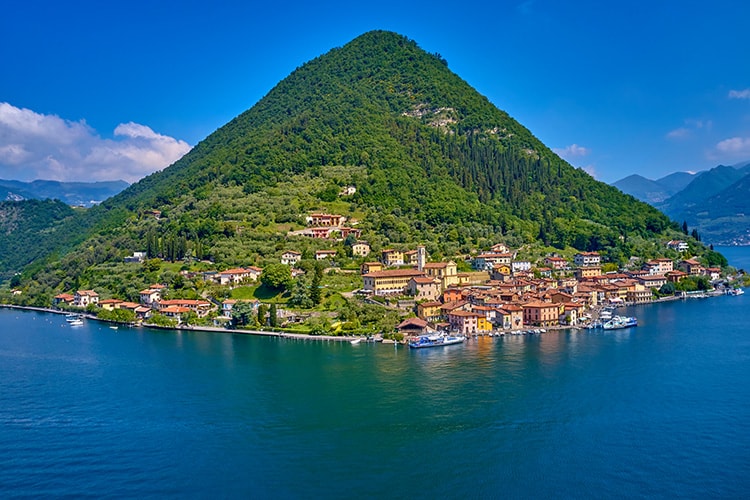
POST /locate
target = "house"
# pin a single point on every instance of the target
(652, 281)
(446, 272)
(345, 232)
(110, 304)
(675, 276)
(199, 307)
(570, 313)
(237, 275)
(423, 288)
(175, 312)
(413, 327)
(466, 322)
(520, 266)
(501, 272)
(136, 257)
(390, 257)
(325, 254)
(677, 245)
(499, 248)
(588, 272)
(659, 266)
(691, 267)
(290, 257)
(361, 249)
(228, 305)
(149, 296)
(326, 220)
(541, 314)
(713, 273)
(512, 317)
(639, 295)
(555, 262)
(453, 294)
(587, 259)
(389, 282)
(83, 298)
(63, 298)
(347, 191)
(429, 311)
(487, 261)
(370, 267)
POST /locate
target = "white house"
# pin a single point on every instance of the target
(290, 257)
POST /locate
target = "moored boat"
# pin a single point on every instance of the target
(436, 341)
(76, 322)
(618, 322)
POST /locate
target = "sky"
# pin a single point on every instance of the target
(117, 90)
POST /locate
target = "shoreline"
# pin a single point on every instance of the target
(326, 338)
(208, 329)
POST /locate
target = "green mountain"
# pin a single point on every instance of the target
(433, 161)
(32, 229)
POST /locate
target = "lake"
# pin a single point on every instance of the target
(661, 410)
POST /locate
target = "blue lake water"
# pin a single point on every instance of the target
(661, 410)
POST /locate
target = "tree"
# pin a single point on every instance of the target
(684, 227)
(272, 320)
(667, 289)
(315, 295)
(276, 276)
(243, 314)
(262, 312)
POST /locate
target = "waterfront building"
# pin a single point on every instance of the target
(541, 313)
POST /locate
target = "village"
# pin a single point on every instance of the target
(500, 293)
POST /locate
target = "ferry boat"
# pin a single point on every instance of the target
(618, 322)
(436, 341)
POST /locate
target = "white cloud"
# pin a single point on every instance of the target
(691, 125)
(38, 146)
(739, 94)
(572, 151)
(736, 146)
(678, 133)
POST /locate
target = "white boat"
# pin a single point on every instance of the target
(436, 341)
(113, 327)
(355, 341)
(618, 322)
(76, 322)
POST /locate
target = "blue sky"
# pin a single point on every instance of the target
(108, 90)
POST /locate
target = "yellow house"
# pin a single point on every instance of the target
(429, 311)
(446, 272)
(389, 282)
(391, 257)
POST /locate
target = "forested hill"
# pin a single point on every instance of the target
(431, 158)
(384, 103)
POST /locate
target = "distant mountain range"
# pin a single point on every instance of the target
(71, 193)
(716, 202)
